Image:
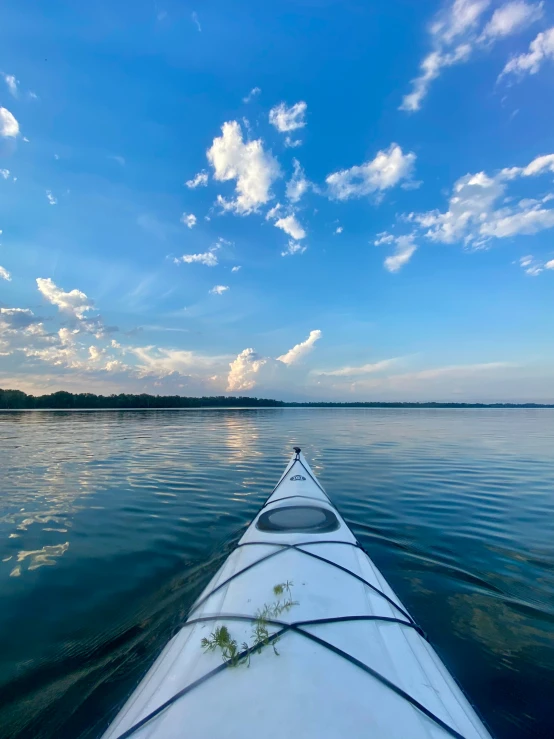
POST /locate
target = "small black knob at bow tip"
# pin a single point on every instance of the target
(297, 450)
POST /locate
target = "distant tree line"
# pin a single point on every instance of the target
(18, 400)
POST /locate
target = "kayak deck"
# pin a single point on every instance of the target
(364, 669)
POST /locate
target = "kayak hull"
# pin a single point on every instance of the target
(371, 673)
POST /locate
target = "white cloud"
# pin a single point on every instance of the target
(300, 350)
(288, 119)
(194, 16)
(550, 264)
(199, 180)
(208, 258)
(5, 173)
(95, 354)
(531, 265)
(365, 369)
(243, 371)
(405, 248)
(541, 49)
(298, 185)
(163, 362)
(73, 302)
(454, 36)
(292, 143)
(16, 319)
(219, 289)
(472, 216)
(4, 274)
(293, 247)
(479, 211)
(511, 17)
(51, 199)
(9, 127)
(254, 169)
(384, 238)
(252, 94)
(12, 84)
(387, 169)
(339, 229)
(189, 219)
(431, 68)
(236, 268)
(290, 226)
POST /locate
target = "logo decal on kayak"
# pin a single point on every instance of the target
(295, 478)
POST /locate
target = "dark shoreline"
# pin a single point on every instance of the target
(18, 400)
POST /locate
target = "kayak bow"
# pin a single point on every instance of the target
(350, 662)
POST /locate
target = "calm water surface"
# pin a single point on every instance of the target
(111, 523)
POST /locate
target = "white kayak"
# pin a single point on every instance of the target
(298, 635)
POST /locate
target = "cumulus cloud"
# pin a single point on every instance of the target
(541, 50)
(478, 212)
(243, 371)
(4, 274)
(549, 264)
(251, 95)
(219, 289)
(74, 302)
(9, 127)
(288, 119)
(290, 226)
(254, 169)
(5, 173)
(386, 170)
(300, 350)
(236, 268)
(339, 229)
(51, 199)
(208, 258)
(199, 180)
(189, 219)
(455, 35)
(16, 319)
(473, 216)
(95, 353)
(11, 83)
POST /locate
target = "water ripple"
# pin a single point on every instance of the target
(112, 522)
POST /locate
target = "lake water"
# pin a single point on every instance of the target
(112, 522)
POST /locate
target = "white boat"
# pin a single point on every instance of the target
(320, 645)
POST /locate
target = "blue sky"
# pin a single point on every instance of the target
(309, 199)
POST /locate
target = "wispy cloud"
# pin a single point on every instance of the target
(540, 51)
(195, 20)
(199, 180)
(219, 289)
(50, 197)
(254, 92)
(12, 84)
(455, 34)
(4, 274)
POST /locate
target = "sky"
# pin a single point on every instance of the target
(301, 200)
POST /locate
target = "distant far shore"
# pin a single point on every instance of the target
(62, 400)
